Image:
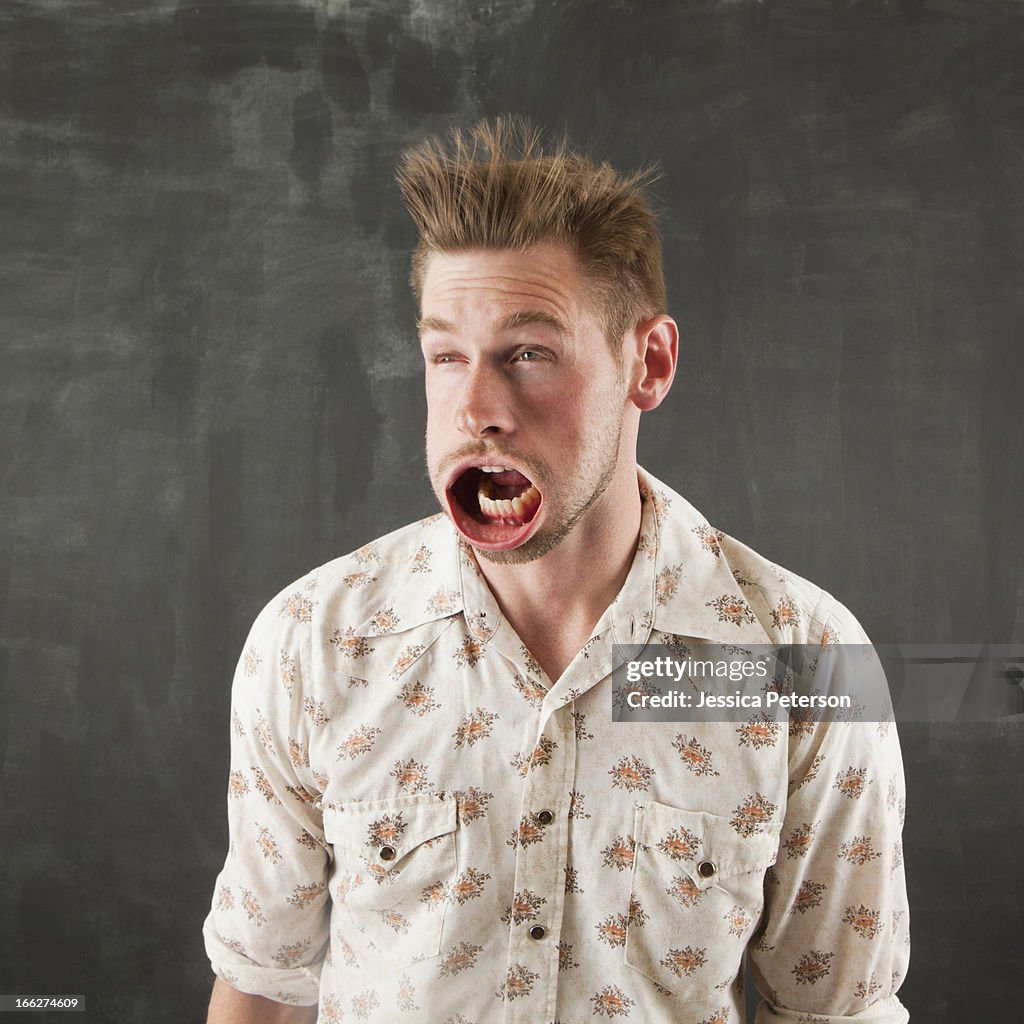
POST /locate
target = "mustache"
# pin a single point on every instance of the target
(496, 456)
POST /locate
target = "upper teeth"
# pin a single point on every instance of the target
(492, 469)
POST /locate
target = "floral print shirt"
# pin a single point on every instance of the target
(424, 828)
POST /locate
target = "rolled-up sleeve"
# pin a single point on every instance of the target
(267, 930)
(834, 943)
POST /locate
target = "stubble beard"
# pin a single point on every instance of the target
(599, 466)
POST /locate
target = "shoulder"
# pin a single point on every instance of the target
(790, 608)
(393, 582)
(721, 589)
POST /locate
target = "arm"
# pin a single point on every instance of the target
(229, 1006)
(834, 945)
(267, 931)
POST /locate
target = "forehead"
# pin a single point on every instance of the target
(545, 277)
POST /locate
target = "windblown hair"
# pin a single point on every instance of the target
(496, 187)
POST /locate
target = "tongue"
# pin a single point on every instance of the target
(511, 478)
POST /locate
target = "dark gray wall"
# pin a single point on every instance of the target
(210, 384)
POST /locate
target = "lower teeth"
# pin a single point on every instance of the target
(505, 508)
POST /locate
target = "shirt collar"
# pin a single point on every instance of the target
(679, 583)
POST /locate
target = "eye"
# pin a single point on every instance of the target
(529, 355)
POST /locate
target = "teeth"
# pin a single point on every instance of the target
(492, 469)
(515, 509)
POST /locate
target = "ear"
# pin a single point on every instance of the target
(655, 347)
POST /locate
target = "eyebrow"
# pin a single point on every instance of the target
(521, 318)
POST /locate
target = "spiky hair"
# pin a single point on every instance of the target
(496, 186)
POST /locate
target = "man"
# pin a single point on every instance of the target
(433, 816)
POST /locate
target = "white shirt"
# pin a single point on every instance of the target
(425, 828)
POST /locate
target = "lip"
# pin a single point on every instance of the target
(483, 535)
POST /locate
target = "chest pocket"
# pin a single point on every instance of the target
(394, 864)
(697, 894)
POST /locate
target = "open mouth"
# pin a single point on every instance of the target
(494, 506)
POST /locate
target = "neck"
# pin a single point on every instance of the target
(554, 602)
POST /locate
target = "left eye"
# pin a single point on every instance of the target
(528, 356)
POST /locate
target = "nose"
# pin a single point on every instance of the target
(484, 406)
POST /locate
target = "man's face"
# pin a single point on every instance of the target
(525, 399)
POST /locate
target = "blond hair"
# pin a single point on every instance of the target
(495, 187)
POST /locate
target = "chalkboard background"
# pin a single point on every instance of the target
(211, 384)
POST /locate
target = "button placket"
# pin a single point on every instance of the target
(540, 869)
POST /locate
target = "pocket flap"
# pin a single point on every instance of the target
(400, 824)
(706, 846)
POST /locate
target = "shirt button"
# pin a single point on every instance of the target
(538, 931)
(705, 869)
(545, 817)
(387, 853)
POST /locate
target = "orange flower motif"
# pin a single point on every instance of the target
(530, 690)
(799, 840)
(864, 921)
(305, 895)
(738, 920)
(852, 782)
(296, 607)
(252, 908)
(613, 930)
(808, 895)
(443, 602)
(386, 830)
(399, 923)
(722, 1017)
(406, 994)
(385, 621)
(359, 741)
(364, 1004)
(297, 753)
(406, 659)
(355, 580)
(732, 608)
(468, 886)
(421, 559)
(411, 775)
(267, 845)
(518, 982)
(225, 901)
(611, 1001)
(469, 652)
(695, 757)
(685, 891)
(315, 710)
(680, 844)
(750, 817)
(286, 670)
(785, 613)
(434, 895)
(263, 786)
(475, 726)
(472, 804)
(631, 774)
(530, 831)
(710, 539)
(812, 967)
(418, 698)
(289, 956)
(759, 732)
(349, 644)
(683, 962)
(525, 906)
(667, 584)
(619, 854)
(251, 662)
(859, 850)
(237, 786)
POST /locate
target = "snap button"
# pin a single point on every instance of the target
(705, 869)
(538, 931)
(387, 853)
(545, 817)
